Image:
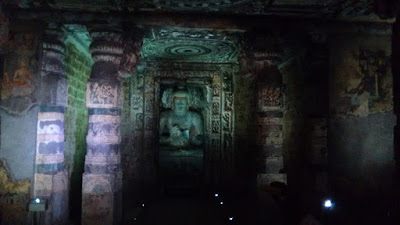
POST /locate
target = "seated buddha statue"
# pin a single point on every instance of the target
(180, 127)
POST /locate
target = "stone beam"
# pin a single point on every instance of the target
(234, 23)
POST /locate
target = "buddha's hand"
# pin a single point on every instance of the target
(175, 132)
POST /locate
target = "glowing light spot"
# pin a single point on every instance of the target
(143, 205)
(221, 203)
(230, 218)
(328, 203)
(216, 195)
(37, 200)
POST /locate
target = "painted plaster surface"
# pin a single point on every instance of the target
(18, 143)
(19, 78)
(361, 78)
(361, 124)
(13, 197)
(362, 153)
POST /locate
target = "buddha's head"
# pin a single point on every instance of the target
(180, 101)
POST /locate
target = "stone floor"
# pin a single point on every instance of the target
(206, 210)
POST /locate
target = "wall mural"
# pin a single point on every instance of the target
(368, 88)
(13, 198)
(19, 83)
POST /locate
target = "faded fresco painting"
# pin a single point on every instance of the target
(13, 198)
(19, 82)
(367, 83)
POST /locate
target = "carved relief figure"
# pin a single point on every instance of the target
(102, 93)
(180, 127)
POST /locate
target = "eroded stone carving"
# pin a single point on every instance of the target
(180, 127)
(102, 94)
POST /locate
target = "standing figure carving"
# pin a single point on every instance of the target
(181, 127)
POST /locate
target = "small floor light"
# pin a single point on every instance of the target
(328, 204)
(216, 195)
(230, 218)
(221, 203)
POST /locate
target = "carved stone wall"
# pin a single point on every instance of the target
(245, 154)
(78, 66)
(317, 121)
(217, 83)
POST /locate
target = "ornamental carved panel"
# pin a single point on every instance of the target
(270, 96)
(103, 94)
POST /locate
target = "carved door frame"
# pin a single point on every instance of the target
(218, 113)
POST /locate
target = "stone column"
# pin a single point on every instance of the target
(4, 22)
(102, 179)
(317, 110)
(51, 177)
(266, 55)
(396, 94)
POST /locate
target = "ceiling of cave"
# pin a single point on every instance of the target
(189, 45)
(341, 9)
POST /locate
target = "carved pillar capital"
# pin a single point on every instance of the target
(54, 81)
(106, 50)
(53, 51)
(264, 53)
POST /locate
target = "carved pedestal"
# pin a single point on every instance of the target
(181, 169)
(51, 178)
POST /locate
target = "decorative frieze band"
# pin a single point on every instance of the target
(50, 116)
(50, 159)
(104, 119)
(111, 159)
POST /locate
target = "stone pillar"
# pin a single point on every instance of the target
(266, 55)
(51, 177)
(317, 110)
(102, 179)
(4, 22)
(396, 94)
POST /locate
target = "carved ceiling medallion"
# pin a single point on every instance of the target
(183, 45)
